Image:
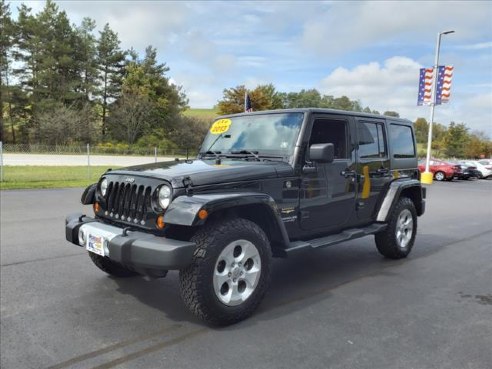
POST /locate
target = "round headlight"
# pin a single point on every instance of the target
(164, 196)
(104, 186)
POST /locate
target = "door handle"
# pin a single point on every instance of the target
(382, 171)
(347, 173)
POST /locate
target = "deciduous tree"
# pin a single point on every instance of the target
(456, 140)
(263, 97)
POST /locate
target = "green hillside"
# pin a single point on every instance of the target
(206, 114)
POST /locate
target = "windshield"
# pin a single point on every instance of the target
(269, 134)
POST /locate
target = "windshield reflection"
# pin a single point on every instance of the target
(274, 134)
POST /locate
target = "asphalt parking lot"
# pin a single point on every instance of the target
(340, 307)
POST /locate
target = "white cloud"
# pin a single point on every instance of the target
(393, 86)
(346, 26)
(252, 61)
(138, 23)
(483, 101)
(382, 87)
(214, 45)
(477, 46)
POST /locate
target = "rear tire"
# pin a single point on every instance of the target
(230, 272)
(439, 176)
(397, 240)
(112, 268)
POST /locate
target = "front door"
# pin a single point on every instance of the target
(328, 191)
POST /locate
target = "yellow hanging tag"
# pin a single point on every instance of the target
(220, 126)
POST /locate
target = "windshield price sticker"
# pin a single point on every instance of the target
(220, 126)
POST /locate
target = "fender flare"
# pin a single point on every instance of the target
(394, 192)
(89, 195)
(184, 209)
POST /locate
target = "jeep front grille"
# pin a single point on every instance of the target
(128, 202)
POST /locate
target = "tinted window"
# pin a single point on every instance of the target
(402, 141)
(371, 140)
(330, 131)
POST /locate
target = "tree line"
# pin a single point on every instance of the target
(68, 84)
(266, 97)
(65, 84)
(455, 140)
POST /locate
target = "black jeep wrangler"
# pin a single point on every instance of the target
(265, 184)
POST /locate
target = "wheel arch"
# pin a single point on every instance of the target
(411, 189)
(256, 207)
(89, 195)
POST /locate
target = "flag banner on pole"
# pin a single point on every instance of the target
(444, 79)
(443, 89)
(247, 104)
(425, 86)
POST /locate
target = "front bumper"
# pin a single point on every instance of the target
(134, 249)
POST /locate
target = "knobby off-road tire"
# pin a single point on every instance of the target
(110, 267)
(397, 240)
(228, 255)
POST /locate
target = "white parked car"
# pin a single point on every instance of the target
(484, 166)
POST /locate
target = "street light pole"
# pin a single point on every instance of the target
(427, 176)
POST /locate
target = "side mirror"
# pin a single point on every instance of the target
(322, 153)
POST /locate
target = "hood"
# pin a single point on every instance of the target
(204, 172)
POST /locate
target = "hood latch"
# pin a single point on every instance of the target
(188, 185)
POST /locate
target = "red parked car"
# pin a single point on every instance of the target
(441, 169)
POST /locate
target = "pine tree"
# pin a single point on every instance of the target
(148, 101)
(5, 46)
(85, 54)
(110, 63)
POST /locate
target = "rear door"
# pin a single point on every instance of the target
(373, 165)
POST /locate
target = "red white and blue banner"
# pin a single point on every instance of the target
(443, 89)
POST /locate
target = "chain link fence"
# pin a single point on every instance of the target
(15, 157)
(106, 149)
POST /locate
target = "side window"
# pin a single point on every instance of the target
(372, 143)
(402, 141)
(331, 131)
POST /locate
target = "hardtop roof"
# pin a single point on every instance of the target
(320, 110)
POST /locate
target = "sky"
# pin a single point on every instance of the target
(368, 51)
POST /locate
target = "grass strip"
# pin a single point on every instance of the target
(22, 177)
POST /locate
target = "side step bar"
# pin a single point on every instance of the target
(346, 235)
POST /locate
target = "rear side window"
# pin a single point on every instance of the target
(402, 141)
(371, 140)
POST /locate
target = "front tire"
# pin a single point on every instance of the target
(230, 272)
(110, 267)
(397, 240)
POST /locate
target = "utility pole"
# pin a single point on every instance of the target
(427, 176)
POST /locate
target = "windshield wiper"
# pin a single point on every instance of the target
(247, 152)
(211, 152)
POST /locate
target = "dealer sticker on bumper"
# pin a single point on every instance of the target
(95, 244)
